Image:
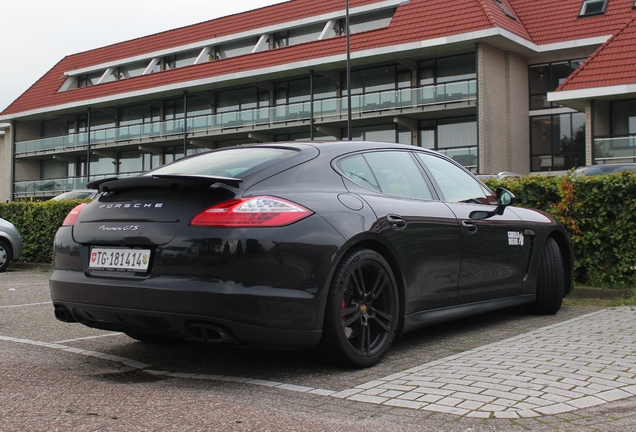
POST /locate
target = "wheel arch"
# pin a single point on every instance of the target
(381, 248)
(7, 241)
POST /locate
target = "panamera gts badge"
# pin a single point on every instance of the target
(118, 228)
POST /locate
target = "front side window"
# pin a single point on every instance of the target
(455, 184)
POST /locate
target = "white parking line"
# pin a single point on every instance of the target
(87, 338)
(26, 304)
(26, 284)
(575, 364)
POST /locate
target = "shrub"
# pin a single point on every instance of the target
(598, 212)
(37, 222)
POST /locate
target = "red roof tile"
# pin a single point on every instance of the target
(550, 21)
(542, 21)
(614, 63)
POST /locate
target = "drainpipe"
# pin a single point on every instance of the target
(185, 123)
(311, 107)
(88, 145)
(12, 168)
(349, 127)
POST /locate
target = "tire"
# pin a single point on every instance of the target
(362, 312)
(152, 338)
(5, 255)
(550, 281)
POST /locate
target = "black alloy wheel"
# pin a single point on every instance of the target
(362, 312)
(5, 255)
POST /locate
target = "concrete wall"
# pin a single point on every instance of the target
(504, 143)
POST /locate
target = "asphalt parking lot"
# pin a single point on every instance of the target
(500, 371)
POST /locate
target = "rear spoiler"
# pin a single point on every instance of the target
(162, 181)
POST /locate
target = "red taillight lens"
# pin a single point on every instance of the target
(71, 218)
(251, 212)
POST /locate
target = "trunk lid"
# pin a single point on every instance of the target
(148, 210)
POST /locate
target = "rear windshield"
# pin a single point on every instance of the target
(235, 162)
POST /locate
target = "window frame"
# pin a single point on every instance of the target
(586, 3)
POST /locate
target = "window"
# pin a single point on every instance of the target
(180, 60)
(228, 163)
(593, 7)
(505, 10)
(132, 70)
(357, 170)
(90, 79)
(382, 133)
(623, 117)
(137, 115)
(298, 35)
(557, 141)
(234, 49)
(456, 184)
(366, 22)
(390, 172)
(547, 77)
(455, 138)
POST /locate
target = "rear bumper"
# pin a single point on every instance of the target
(187, 309)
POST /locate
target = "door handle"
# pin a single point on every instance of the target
(396, 222)
(469, 226)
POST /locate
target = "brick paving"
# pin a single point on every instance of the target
(581, 363)
(576, 364)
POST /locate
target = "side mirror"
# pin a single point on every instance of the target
(505, 198)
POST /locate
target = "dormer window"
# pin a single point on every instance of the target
(505, 10)
(593, 7)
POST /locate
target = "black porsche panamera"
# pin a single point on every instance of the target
(340, 246)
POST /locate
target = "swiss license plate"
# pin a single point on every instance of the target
(119, 259)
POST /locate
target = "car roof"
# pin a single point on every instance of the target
(606, 168)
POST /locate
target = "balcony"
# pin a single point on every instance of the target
(324, 110)
(614, 149)
(50, 187)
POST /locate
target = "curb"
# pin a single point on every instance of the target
(599, 293)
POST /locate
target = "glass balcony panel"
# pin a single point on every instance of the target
(466, 156)
(407, 97)
(614, 149)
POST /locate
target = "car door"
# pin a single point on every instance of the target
(494, 250)
(421, 231)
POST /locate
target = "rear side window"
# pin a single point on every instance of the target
(357, 170)
(235, 162)
(455, 183)
(389, 172)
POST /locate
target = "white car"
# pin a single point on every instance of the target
(10, 244)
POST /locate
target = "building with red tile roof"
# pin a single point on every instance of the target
(498, 85)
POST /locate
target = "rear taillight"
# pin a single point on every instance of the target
(261, 211)
(71, 218)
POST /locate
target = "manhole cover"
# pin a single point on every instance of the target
(129, 377)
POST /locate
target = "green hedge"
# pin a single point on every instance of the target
(37, 222)
(599, 213)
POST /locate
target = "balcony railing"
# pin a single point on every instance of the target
(615, 149)
(52, 187)
(323, 109)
